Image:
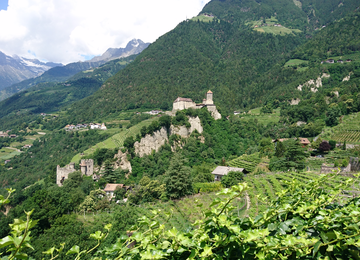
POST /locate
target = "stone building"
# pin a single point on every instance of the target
(86, 167)
(185, 103)
(63, 173)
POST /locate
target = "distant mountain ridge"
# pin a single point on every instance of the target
(63, 73)
(135, 46)
(15, 69)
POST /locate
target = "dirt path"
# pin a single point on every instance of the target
(12, 148)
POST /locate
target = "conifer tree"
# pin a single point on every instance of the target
(178, 179)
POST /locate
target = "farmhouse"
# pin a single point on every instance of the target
(111, 187)
(348, 60)
(221, 171)
(330, 61)
(304, 141)
(340, 61)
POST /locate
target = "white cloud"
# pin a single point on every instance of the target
(66, 30)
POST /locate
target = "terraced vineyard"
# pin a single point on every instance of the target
(115, 141)
(267, 185)
(185, 212)
(248, 162)
(348, 130)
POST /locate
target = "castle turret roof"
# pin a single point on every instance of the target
(209, 92)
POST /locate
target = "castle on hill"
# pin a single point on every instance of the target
(185, 103)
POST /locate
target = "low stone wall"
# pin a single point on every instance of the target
(328, 169)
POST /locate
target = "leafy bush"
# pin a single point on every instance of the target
(207, 187)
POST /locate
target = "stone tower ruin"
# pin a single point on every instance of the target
(63, 173)
(87, 167)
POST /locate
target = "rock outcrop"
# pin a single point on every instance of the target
(151, 142)
(186, 132)
(122, 161)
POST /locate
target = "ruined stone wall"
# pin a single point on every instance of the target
(328, 169)
(63, 173)
(355, 164)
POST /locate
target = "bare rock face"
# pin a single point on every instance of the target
(122, 161)
(151, 142)
(295, 102)
(186, 132)
(214, 112)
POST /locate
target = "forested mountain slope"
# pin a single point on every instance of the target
(49, 97)
(226, 56)
(306, 15)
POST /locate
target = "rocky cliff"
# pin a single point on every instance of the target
(158, 138)
(122, 161)
(151, 142)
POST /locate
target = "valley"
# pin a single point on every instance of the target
(229, 137)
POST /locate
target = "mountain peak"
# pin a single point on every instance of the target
(135, 46)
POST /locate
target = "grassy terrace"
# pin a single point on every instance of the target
(117, 140)
(262, 118)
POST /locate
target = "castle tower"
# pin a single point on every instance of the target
(87, 167)
(209, 98)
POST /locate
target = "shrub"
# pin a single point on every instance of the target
(207, 187)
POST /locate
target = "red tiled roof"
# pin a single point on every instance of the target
(112, 187)
(209, 92)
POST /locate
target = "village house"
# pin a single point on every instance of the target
(330, 61)
(348, 60)
(4, 134)
(304, 141)
(27, 146)
(221, 171)
(111, 187)
(7, 161)
(13, 136)
(103, 127)
(340, 61)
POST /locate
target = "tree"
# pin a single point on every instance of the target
(109, 173)
(332, 144)
(324, 146)
(178, 180)
(232, 178)
(279, 149)
(344, 146)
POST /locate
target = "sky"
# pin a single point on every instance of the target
(75, 30)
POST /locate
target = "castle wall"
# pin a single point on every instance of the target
(63, 173)
(181, 105)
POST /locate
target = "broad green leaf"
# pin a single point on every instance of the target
(74, 250)
(50, 251)
(316, 247)
(6, 241)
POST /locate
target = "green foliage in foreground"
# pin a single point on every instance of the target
(306, 221)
